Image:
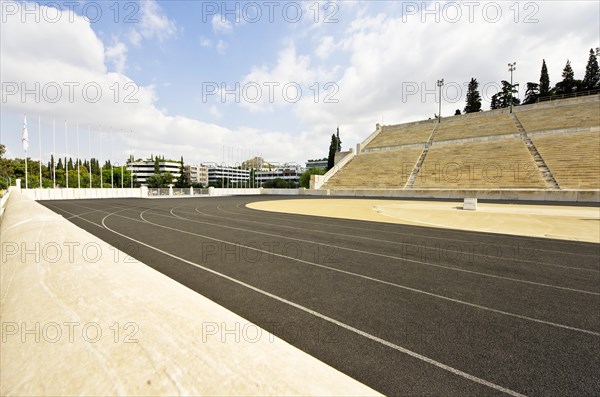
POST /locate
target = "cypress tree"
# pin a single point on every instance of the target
(473, 97)
(544, 80)
(332, 150)
(592, 73)
(567, 85)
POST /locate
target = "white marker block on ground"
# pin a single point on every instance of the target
(470, 204)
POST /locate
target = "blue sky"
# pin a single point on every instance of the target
(356, 63)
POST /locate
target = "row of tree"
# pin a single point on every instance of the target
(58, 173)
(568, 85)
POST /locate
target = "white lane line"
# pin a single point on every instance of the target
(354, 274)
(395, 242)
(522, 317)
(455, 231)
(401, 349)
(386, 256)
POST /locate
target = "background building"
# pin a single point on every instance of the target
(316, 164)
(223, 175)
(289, 172)
(197, 174)
(143, 169)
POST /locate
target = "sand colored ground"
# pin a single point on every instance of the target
(557, 222)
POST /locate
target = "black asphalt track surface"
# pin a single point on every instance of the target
(406, 310)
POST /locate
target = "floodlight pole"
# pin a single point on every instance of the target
(132, 160)
(511, 68)
(440, 83)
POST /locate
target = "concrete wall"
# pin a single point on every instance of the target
(82, 318)
(280, 192)
(3, 202)
(319, 182)
(339, 156)
(212, 191)
(73, 194)
(589, 196)
(363, 144)
(312, 192)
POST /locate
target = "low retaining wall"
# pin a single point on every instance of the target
(3, 201)
(80, 317)
(75, 194)
(319, 182)
(233, 192)
(584, 196)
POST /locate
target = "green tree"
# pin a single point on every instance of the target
(591, 79)
(568, 84)
(332, 151)
(544, 80)
(495, 102)
(4, 169)
(160, 180)
(503, 98)
(156, 165)
(279, 183)
(532, 93)
(339, 141)
(305, 177)
(473, 97)
(122, 177)
(182, 181)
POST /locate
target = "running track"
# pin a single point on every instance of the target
(406, 310)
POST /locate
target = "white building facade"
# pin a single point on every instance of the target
(143, 169)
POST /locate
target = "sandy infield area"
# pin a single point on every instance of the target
(556, 222)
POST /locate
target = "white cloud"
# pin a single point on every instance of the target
(153, 24)
(385, 57)
(291, 80)
(378, 58)
(221, 47)
(326, 46)
(214, 111)
(221, 25)
(34, 53)
(205, 42)
(116, 54)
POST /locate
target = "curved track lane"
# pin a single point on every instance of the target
(406, 310)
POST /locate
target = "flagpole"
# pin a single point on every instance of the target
(54, 153)
(122, 166)
(25, 140)
(101, 178)
(90, 152)
(77, 164)
(40, 144)
(111, 161)
(66, 155)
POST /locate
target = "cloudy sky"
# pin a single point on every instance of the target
(216, 81)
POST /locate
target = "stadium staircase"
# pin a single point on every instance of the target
(537, 157)
(413, 176)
